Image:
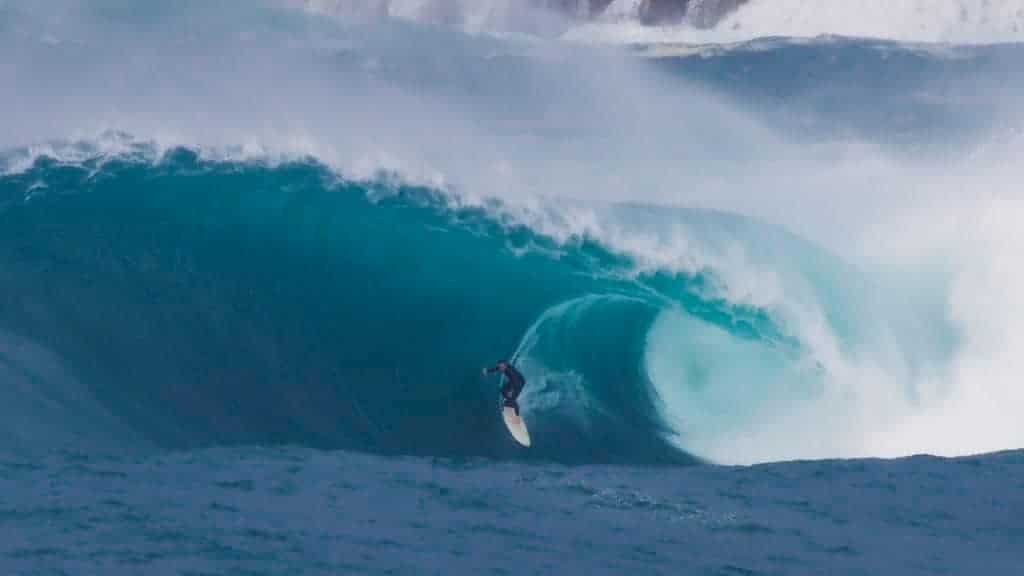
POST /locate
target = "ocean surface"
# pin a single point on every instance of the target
(293, 510)
(765, 291)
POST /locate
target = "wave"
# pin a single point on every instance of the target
(203, 302)
(207, 303)
(302, 230)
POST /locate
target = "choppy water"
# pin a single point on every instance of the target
(259, 511)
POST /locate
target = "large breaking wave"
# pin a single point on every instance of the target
(206, 302)
(195, 302)
(309, 231)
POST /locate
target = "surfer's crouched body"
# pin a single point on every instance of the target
(513, 385)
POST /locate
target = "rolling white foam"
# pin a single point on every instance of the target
(924, 21)
(958, 21)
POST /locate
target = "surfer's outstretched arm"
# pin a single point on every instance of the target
(499, 367)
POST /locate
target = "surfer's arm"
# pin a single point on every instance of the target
(493, 369)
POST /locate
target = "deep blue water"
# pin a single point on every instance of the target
(290, 510)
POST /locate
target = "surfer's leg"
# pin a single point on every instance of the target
(510, 402)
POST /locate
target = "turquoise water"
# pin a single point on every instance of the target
(283, 306)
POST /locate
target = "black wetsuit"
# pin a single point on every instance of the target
(513, 386)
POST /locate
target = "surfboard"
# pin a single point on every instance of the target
(516, 426)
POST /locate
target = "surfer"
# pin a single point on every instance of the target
(513, 385)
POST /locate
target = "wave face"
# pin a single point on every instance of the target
(210, 303)
(199, 302)
(271, 226)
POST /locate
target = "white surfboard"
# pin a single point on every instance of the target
(515, 425)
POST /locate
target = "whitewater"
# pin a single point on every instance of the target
(761, 277)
